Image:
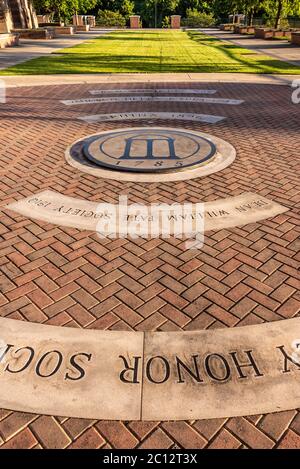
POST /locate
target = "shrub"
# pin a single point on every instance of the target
(166, 23)
(283, 24)
(196, 19)
(110, 18)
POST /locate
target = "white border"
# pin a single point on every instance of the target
(147, 99)
(124, 116)
(153, 91)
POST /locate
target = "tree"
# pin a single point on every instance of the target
(279, 9)
(275, 9)
(199, 5)
(164, 8)
(224, 8)
(185, 5)
(125, 7)
(198, 19)
(64, 8)
(249, 8)
(110, 18)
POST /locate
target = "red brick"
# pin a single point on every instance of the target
(185, 435)
(224, 440)
(290, 441)
(89, 440)
(290, 308)
(23, 440)
(51, 434)
(157, 440)
(249, 434)
(117, 434)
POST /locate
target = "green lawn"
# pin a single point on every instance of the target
(153, 51)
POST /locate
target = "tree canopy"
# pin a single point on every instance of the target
(64, 7)
(278, 9)
(220, 9)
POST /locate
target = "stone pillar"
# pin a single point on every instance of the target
(6, 23)
(30, 15)
(20, 14)
(78, 20)
(35, 23)
(134, 22)
(92, 21)
(15, 13)
(23, 13)
(175, 21)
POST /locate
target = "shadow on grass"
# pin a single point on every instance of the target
(100, 63)
(202, 54)
(131, 36)
(275, 45)
(261, 64)
(126, 38)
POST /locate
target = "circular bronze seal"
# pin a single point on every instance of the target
(148, 150)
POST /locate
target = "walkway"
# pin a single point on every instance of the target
(32, 48)
(46, 80)
(279, 49)
(63, 276)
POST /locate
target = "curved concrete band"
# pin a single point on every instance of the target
(53, 207)
(143, 376)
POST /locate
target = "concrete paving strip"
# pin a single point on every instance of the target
(34, 48)
(19, 81)
(66, 371)
(221, 373)
(135, 99)
(55, 208)
(116, 375)
(186, 116)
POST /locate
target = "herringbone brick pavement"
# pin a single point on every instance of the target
(63, 276)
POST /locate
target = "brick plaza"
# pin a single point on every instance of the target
(67, 277)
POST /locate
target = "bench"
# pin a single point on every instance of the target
(39, 33)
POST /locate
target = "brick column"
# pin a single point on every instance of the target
(78, 20)
(134, 22)
(175, 21)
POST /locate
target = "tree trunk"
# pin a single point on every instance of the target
(279, 12)
(251, 16)
(58, 15)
